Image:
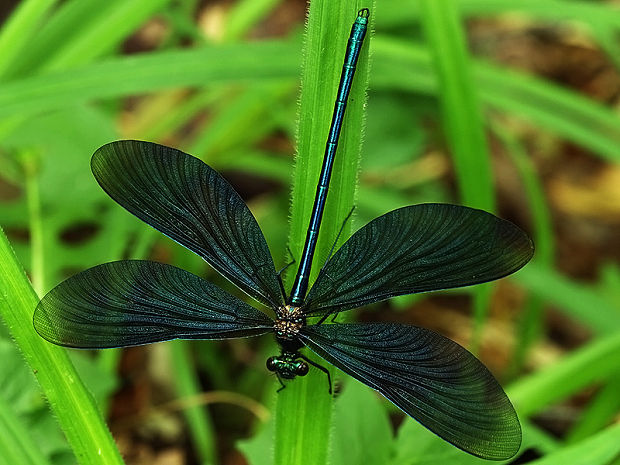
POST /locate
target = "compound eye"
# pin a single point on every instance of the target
(302, 369)
(271, 364)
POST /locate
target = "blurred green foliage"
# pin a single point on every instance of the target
(195, 75)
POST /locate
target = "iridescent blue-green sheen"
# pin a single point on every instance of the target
(356, 39)
(417, 248)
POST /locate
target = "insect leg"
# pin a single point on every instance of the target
(282, 287)
(285, 267)
(290, 252)
(320, 367)
(279, 273)
(324, 317)
(282, 385)
(338, 236)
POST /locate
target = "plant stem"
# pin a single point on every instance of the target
(304, 408)
(73, 405)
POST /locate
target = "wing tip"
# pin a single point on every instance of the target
(44, 326)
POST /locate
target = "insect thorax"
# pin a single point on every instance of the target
(287, 365)
(289, 321)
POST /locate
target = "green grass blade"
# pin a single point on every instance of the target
(599, 412)
(108, 362)
(544, 441)
(62, 27)
(247, 112)
(601, 449)
(106, 31)
(597, 14)
(19, 29)
(169, 112)
(460, 106)
(462, 122)
(149, 72)
(303, 409)
(244, 15)
(16, 445)
(571, 115)
(259, 163)
(361, 420)
(29, 161)
(580, 301)
(80, 30)
(404, 66)
(397, 65)
(187, 385)
(531, 319)
(73, 405)
(593, 363)
(533, 189)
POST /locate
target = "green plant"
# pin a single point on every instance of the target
(67, 86)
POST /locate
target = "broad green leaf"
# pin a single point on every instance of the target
(600, 449)
(149, 72)
(362, 430)
(74, 406)
(304, 409)
(16, 444)
(18, 31)
(595, 362)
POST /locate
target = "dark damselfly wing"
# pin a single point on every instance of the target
(134, 302)
(429, 377)
(419, 248)
(192, 204)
